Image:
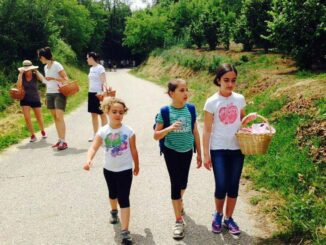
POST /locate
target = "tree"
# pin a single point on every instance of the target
(298, 28)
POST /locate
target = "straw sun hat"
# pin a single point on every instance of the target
(27, 65)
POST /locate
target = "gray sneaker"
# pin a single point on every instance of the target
(126, 237)
(114, 217)
(178, 230)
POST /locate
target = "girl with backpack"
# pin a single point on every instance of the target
(176, 128)
(224, 111)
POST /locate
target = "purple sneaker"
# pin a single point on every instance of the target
(217, 223)
(232, 226)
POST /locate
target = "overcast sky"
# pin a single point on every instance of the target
(137, 4)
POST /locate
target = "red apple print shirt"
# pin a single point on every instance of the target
(226, 112)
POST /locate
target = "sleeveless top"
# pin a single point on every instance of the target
(31, 89)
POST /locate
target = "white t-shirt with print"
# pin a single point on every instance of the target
(116, 147)
(227, 121)
(95, 84)
(52, 85)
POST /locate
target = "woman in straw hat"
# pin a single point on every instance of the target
(55, 76)
(27, 79)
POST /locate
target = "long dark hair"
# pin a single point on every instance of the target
(94, 55)
(221, 70)
(45, 52)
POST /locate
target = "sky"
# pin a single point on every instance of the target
(139, 4)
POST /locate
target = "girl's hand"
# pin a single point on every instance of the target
(136, 171)
(208, 163)
(175, 126)
(87, 166)
(21, 70)
(199, 161)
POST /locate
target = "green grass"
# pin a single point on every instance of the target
(18, 130)
(287, 169)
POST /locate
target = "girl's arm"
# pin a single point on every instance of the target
(197, 143)
(208, 122)
(92, 151)
(134, 153)
(161, 132)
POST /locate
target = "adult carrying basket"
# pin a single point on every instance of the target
(254, 143)
(17, 94)
(69, 88)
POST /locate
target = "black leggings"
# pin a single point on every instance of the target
(178, 165)
(119, 184)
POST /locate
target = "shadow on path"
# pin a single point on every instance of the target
(136, 238)
(35, 145)
(69, 151)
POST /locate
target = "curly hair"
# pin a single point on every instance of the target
(109, 101)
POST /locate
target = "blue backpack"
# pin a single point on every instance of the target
(165, 112)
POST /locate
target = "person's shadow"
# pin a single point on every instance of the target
(136, 238)
(69, 151)
(199, 234)
(35, 145)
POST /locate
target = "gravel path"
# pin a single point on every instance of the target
(46, 197)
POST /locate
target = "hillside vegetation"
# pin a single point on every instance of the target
(291, 177)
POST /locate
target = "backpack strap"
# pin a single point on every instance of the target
(165, 112)
(192, 110)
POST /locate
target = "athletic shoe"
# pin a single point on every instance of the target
(217, 223)
(126, 237)
(56, 144)
(114, 217)
(62, 146)
(33, 138)
(44, 135)
(232, 226)
(178, 230)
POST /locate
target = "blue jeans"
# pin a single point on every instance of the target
(227, 167)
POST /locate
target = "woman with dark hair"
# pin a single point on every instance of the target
(27, 79)
(55, 76)
(97, 83)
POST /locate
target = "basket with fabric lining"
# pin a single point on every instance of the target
(69, 88)
(253, 143)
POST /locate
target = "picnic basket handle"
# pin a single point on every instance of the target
(261, 117)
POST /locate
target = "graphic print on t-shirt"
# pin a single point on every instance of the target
(185, 125)
(228, 114)
(117, 142)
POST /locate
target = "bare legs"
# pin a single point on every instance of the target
(230, 205)
(28, 120)
(58, 116)
(178, 206)
(95, 121)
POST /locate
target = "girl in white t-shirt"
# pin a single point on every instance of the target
(97, 81)
(120, 151)
(223, 114)
(56, 102)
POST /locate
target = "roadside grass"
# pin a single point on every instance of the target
(287, 169)
(12, 124)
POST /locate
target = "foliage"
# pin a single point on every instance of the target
(298, 28)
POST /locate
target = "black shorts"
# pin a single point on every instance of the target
(94, 104)
(33, 104)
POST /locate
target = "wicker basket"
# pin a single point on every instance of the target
(254, 144)
(69, 88)
(104, 94)
(17, 94)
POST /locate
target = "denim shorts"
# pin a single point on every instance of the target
(227, 167)
(56, 101)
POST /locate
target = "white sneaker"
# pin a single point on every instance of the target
(178, 230)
